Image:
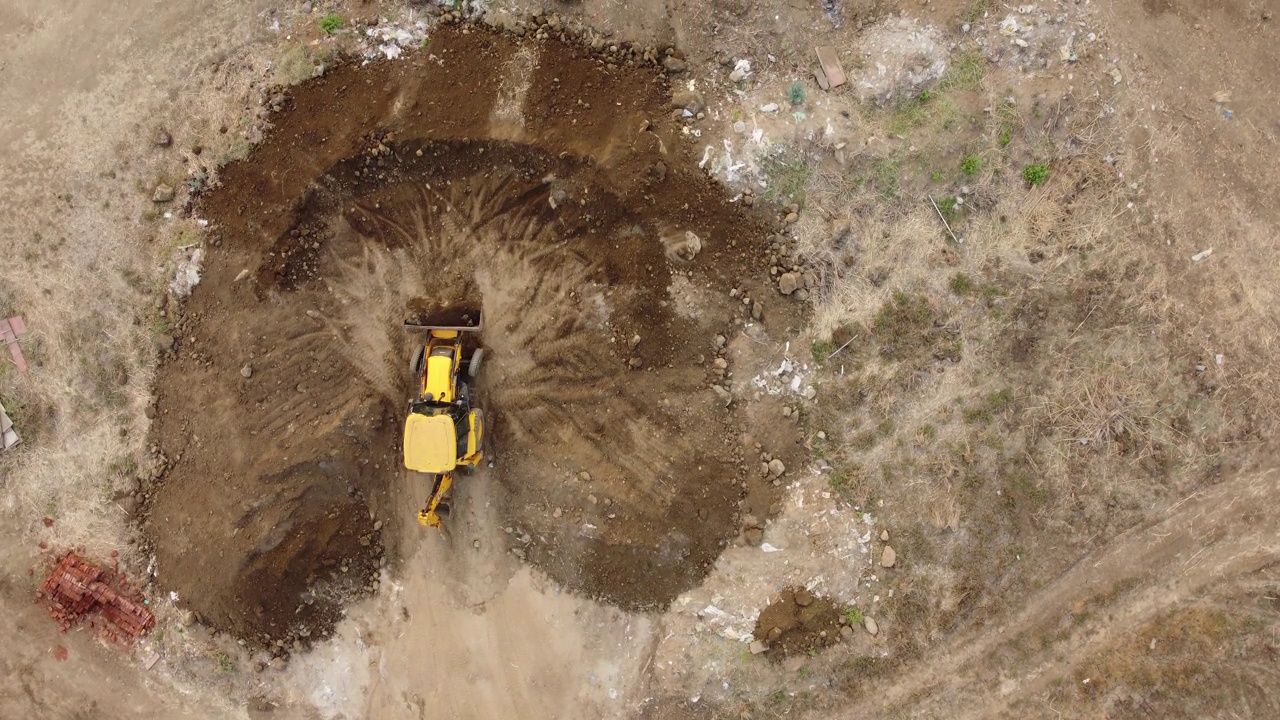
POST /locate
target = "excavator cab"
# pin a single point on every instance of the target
(442, 431)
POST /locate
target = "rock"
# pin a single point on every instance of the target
(377, 525)
(162, 138)
(246, 372)
(259, 666)
(888, 558)
(674, 64)
(688, 100)
(884, 536)
(720, 363)
(163, 194)
(164, 342)
(757, 310)
(869, 623)
(592, 499)
(279, 663)
(557, 513)
(635, 341)
(846, 632)
(801, 295)
(723, 394)
(774, 633)
(754, 536)
(635, 363)
(188, 618)
(720, 341)
(788, 283)
(738, 75)
(776, 468)
(792, 217)
(129, 503)
(804, 598)
(758, 647)
(475, 544)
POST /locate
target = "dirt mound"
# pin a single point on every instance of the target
(797, 623)
(383, 190)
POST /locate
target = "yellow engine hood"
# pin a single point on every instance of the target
(430, 443)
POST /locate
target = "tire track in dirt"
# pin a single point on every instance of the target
(1209, 537)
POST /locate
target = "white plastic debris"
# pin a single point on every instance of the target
(766, 547)
(1202, 255)
(1009, 26)
(187, 275)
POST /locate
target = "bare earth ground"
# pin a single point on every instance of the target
(1062, 425)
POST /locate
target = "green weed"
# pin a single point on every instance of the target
(796, 93)
(970, 165)
(329, 24)
(787, 179)
(1006, 137)
(852, 616)
(949, 208)
(965, 73)
(962, 284)
(1035, 174)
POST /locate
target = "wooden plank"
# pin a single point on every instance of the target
(831, 65)
(18, 325)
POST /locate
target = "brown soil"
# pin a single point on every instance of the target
(378, 189)
(798, 622)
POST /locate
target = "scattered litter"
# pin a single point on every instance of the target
(1217, 359)
(151, 660)
(8, 436)
(1116, 77)
(1202, 255)
(769, 108)
(1009, 26)
(766, 547)
(10, 330)
(187, 275)
(741, 70)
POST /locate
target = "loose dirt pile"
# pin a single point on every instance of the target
(604, 259)
(798, 622)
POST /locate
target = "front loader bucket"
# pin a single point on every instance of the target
(457, 317)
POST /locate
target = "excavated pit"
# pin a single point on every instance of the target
(556, 187)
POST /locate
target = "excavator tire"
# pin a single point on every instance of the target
(416, 360)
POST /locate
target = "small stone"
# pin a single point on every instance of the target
(188, 618)
(674, 64)
(163, 194)
(475, 544)
(592, 499)
(584, 476)
(804, 598)
(377, 525)
(792, 217)
(758, 647)
(720, 341)
(738, 75)
(786, 411)
(246, 372)
(720, 363)
(635, 363)
(822, 435)
(884, 536)
(162, 138)
(774, 633)
(788, 283)
(888, 558)
(557, 513)
(846, 632)
(635, 341)
(776, 468)
(259, 666)
(757, 310)
(754, 536)
(869, 623)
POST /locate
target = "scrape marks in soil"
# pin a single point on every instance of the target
(281, 409)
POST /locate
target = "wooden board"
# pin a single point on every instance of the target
(831, 65)
(8, 436)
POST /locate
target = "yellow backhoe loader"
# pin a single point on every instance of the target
(443, 432)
